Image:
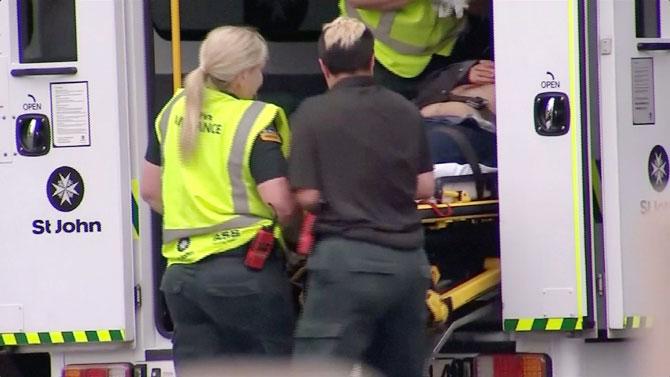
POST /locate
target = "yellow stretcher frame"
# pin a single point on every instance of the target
(474, 287)
(438, 216)
(445, 303)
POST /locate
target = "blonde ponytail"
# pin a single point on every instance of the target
(193, 86)
(225, 53)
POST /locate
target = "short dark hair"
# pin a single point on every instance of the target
(339, 58)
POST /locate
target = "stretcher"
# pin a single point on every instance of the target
(456, 293)
(438, 216)
(456, 302)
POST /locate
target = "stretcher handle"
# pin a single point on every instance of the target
(436, 210)
(21, 72)
(653, 46)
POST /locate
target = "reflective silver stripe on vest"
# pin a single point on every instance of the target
(234, 223)
(165, 118)
(236, 172)
(236, 158)
(383, 33)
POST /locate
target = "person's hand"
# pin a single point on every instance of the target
(482, 73)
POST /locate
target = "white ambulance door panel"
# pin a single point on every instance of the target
(5, 140)
(66, 275)
(635, 88)
(540, 162)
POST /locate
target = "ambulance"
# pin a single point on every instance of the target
(583, 208)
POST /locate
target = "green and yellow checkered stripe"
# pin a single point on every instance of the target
(543, 324)
(637, 322)
(61, 337)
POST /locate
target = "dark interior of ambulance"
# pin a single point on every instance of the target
(459, 237)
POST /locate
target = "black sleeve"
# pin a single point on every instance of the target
(425, 159)
(302, 169)
(267, 161)
(153, 153)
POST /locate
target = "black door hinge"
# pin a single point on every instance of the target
(138, 296)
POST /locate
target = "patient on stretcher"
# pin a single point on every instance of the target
(458, 105)
(463, 90)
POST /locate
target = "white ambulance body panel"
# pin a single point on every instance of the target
(77, 274)
(623, 78)
(635, 87)
(540, 180)
(6, 149)
(65, 221)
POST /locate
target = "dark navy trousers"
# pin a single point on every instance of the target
(219, 307)
(366, 303)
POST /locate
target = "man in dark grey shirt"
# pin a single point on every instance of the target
(359, 159)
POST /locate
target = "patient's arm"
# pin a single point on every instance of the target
(425, 185)
(484, 72)
(487, 92)
(440, 109)
(460, 109)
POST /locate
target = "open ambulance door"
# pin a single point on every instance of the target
(582, 91)
(543, 150)
(65, 225)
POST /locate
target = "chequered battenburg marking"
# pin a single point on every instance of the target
(543, 324)
(60, 337)
(637, 322)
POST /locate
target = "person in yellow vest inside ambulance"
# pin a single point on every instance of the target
(412, 37)
(217, 172)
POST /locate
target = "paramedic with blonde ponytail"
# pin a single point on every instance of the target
(217, 173)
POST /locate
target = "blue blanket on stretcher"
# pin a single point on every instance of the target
(444, 148)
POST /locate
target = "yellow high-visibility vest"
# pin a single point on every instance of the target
(407, 38)
(210, 202)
